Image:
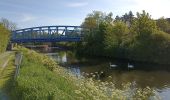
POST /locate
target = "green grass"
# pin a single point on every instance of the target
(36, 82)
(6, 76)
(41, 78)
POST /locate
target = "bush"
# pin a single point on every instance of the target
(4, 38)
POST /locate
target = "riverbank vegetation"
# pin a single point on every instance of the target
(41, 78)
(139, 38)
(4, 38)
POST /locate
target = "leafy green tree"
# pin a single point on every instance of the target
(93, 19)
(96, 22)
(4, 37)
(114, 38)
(143, 26)
(163, 24)
(142, 29)
(160, 48)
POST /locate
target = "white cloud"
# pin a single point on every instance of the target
(77, 4)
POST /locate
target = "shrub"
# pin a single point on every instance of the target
(4, 37)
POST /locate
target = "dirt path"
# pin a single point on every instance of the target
(4, 59)
(5, 63)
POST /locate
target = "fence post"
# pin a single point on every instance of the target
(18, 60)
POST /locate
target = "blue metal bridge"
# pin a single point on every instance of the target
(48, 34)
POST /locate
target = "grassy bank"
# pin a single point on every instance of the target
(6, 74)
(41, 78)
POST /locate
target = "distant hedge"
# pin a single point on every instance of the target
(4, 37)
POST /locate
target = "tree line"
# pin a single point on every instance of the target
(139, 38)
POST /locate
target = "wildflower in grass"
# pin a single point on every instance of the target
(77, 91)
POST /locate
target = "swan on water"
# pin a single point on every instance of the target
(112, 65)
(130, 66)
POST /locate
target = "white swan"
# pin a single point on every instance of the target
(112, 65)
(130, 66)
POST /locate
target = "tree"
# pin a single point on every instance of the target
(117, 18)
(163, 25)
(8, 24)
(114, 38)
(4, 37)
(96, 22)
(143, 26)
(143, 40)
(142, 30)
(108, 18)
(131, 17)
(93, 20)
(126, 18)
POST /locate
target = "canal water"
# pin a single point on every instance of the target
(118, 71)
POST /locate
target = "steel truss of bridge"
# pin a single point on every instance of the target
(48, 34)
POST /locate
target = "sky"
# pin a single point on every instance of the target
(32, 13)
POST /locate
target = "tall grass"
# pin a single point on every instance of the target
(41, 78)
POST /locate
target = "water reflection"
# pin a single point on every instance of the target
(119, 72)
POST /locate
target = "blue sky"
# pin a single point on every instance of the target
(30, 13)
